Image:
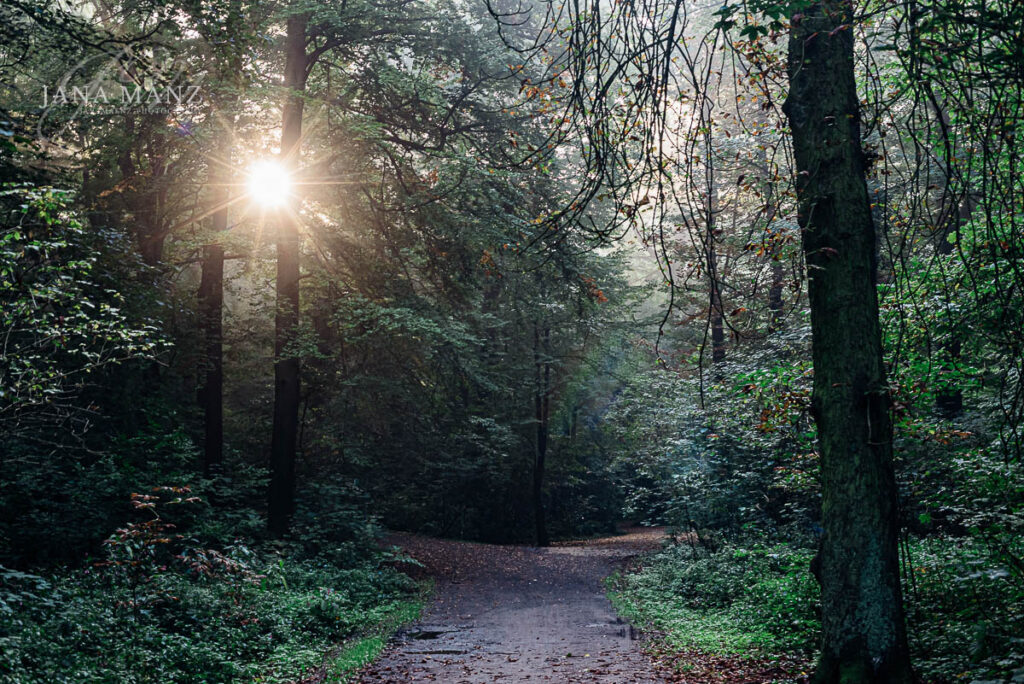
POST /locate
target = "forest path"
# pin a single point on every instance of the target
(516, 613)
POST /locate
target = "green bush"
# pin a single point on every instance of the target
(965, 607)
(159, 609)
(965, 610)
(87, 626)
(728, 601)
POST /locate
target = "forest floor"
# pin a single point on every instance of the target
(516, 613)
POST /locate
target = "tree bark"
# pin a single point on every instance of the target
(151, 211)
(715, 307)
(151, 247)
(146, 205)
(864, 635)
(281, 498)
(542, 411)
(716, 315)
(211, 313)
(949, 401)
(776, 318)
(211, 287)
(776, 315)
(717, 318)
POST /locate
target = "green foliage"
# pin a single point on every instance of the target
(774, 14)
(732, 600)
(735, 455)
(964, 604)
(158, 609)
(61, 326)
(56, 510)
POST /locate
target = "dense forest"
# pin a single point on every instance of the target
(278, 278)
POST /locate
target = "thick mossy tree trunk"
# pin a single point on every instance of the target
(863, 622)
(281, 500)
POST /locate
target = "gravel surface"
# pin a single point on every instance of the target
(519, 614)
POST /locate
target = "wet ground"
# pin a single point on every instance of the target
(519, 614)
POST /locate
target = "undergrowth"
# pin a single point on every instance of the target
(727, 602)
(155, 608)
(965, 612)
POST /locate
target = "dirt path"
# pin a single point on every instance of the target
(514, 614)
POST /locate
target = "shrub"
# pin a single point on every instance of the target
(965, 607)
(728, 601)
(158, 609)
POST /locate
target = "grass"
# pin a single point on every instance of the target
(688, 629)
(357, 653)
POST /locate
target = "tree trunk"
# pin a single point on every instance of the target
(151, 247)
(776, 315)
(717, 316)
(864, 635)
(542, 409)
(281, 500)
(949, 401)
(211, 286)
(211, 314)
(775, 303)
(717, 319)
(151, 212)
